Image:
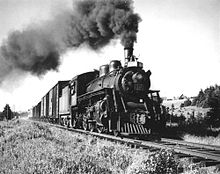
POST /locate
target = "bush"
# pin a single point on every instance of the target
(156, 163)
(187, 103)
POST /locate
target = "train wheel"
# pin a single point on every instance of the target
(85, 125)
(100, 129)
(92, 127)
(73, 123)
(115, 133)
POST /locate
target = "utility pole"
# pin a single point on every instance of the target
(14, 111)
(7, 112)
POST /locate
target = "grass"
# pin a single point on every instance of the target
(32, 147)
(186, 111)
(210, 140)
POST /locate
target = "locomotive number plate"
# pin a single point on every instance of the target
(138, 118)
(141, 118)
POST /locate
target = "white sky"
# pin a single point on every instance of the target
(178, 40)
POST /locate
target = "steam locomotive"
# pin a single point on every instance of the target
(116, 100)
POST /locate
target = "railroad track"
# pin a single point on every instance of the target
(208, 155)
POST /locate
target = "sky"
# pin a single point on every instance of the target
(178, 40)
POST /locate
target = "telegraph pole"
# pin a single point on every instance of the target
(14, 111)
(7, 112)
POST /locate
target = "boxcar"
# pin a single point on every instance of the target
(64, 105)
(52, 100)
(45, 106)
(36, 110)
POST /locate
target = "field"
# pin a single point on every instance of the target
(186, 111)
(31, 147)
(204, 140)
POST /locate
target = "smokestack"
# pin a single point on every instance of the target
(128, 53)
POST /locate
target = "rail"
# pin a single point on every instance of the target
(208, 154)
(204, 152)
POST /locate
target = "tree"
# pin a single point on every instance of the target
(187, 102)
(214, 113)
(1, 116)
(7, 113)
(204, 97)
(197, 101)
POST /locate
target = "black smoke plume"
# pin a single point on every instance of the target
(96, 22)
(31, 51)
(37, 48)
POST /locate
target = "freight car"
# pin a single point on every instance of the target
(116, 99)
(48, 107)
(36, 111)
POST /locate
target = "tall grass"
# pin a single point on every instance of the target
(210, 140)
(32, 147)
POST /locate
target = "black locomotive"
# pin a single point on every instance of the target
(115, 100)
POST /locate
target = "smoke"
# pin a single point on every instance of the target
(37, 48)
(96, 22)
(31, 50)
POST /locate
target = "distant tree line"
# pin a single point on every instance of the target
(210, 98)
(186, 103)
(7, 113)
(207, 98)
